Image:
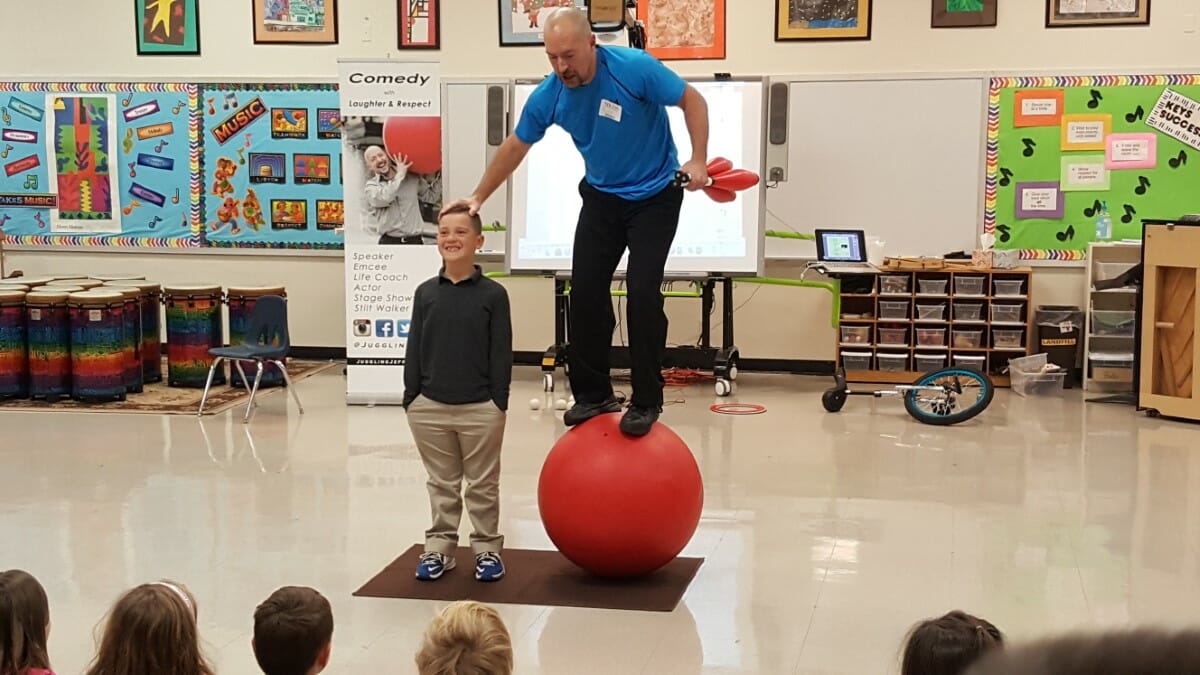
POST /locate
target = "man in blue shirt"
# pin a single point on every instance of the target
(612, 101)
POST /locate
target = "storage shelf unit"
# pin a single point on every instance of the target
(1111, 321)
(896, 325)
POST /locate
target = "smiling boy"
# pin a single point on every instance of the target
(457, 372)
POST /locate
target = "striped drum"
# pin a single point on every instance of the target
(14, 363)
(131, 339)
(241, 301)
(194, 325)
(151, 307)
(97, 334)
(49, 325)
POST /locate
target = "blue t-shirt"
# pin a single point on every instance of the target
(618, 121)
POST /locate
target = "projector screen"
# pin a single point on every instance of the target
(712, 237)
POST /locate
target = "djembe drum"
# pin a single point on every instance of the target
(131, 340)
(14, 361)
(97, 345)
(241, 301)
(194, 325)
(48, 320)
(151, 307)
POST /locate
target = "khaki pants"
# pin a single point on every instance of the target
(460, 443)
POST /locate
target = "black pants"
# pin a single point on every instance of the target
(406, 239)
(607, 225)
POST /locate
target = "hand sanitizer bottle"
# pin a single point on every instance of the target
(1104, 226)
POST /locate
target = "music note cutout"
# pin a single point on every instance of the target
(1143, 185)
(160, 146)
(4, 219)
(241, 153)
(31, 182)
(154, 221)
(1029, 146)
(247, 140)
(1067, 234)
(177, 107)
(1136, 115)
(133, 204)
(1129, 213)
(1179, 160)
(230, 101)
(175, 199)
(1005, 177)
(1005, 233)
(127, 100)
(1093, 209)
(127, 144)
(132, 171)
(211, 109)
(38, 217)
(1095, 100)
(7, 117)
(183, 220)
(7, 149)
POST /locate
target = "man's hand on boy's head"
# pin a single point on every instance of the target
(472, 202)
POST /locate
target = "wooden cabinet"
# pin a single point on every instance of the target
(896, 325)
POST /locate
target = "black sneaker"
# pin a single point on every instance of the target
(582, 412)
(638, 419)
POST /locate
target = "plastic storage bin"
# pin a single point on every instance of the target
(1008, 339)
(931, 312)
(893, 362)
(1103, 271)
(1112, 367)
(893, 336)
(932, 286)
(893, 309)
(856, 335)
(893, 284)
(968, 285)
(1007, 313)
(969, 361)
(1008, 286)
(1029, 377)
(969, 339)
(1113, 323)
(856, 360)
(968, 311)
(931, 337)
(930, 362)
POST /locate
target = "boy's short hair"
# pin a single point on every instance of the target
(466, 637)
(291, 627)
(948, 644)
(476, 221)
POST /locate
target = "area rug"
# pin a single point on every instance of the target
(157, 398)
(535, 577)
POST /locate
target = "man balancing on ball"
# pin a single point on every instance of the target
(612, 100)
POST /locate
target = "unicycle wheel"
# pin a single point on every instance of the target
(949, 396)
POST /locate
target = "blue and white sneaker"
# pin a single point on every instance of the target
(489, 566)
(433, 565)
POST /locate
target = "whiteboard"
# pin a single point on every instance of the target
(902, 159)
(711, 238)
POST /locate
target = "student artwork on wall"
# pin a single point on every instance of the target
(295, 21)
(522, 21)
(99, 164)
(684, 29)
(822, 20)
(963, 13)
(272, 165)
(1061, 13)
(1060, 148)
(419, 24)
(167, 27)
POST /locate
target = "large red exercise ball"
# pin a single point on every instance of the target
(417, 138)
(617, 505)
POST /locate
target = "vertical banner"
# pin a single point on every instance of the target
(391, 163)
(82, 130)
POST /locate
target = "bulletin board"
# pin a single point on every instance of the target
(99, 164)
(139, 165)
(1058, 148)
(272, 165)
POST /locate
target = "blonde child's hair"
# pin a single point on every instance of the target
(466, 638)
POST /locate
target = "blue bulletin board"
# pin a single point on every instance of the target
(99, 164)
(271, 165)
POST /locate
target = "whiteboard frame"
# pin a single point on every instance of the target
(760, 230)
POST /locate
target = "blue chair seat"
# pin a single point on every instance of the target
(249, 352)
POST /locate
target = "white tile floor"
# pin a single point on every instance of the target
(825, 536)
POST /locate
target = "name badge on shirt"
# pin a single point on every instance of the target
(610, 109)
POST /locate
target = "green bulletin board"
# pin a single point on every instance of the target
(1059, 146)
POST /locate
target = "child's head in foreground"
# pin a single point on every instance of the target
(466, 638)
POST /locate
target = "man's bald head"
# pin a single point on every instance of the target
(570, 46)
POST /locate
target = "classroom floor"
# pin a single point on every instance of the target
(825, 536)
